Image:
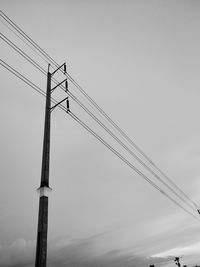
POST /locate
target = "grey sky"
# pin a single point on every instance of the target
(139, 60)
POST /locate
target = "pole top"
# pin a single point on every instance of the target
(49, 67)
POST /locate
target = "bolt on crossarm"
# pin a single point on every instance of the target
(41, 245)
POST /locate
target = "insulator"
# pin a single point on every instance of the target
(67, 104)
(66, 85)
(65, 70)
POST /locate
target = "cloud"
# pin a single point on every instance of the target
(82, 254)
(97, 251)
(184, 250)
(71, 253)
(19, 253)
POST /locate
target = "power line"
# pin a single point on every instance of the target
(39, 90)
(28, 82)
(123, 134)
(33, 44)
(34, 50)
(85, 126)
(131, 142)
(22, 53)
(130, 151)
(21, 32)
(96, 106)
(21, 77)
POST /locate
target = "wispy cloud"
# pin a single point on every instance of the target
(73, 253)
(184, 250)
(19, 253)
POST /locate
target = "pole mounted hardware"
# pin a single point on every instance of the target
(68, 110)
(67, 101)
(57, 85)
(64, 68)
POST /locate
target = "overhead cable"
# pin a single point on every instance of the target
(22, 53)
(96, 106)
(28, 82)
(86, 127)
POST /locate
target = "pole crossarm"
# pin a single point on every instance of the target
(63, 65)
(59, 85)
(52, 108)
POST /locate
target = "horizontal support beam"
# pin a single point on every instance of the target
(59, 103)
(58, 85)
(64, 64)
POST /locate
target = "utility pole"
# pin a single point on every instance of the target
(41, 245)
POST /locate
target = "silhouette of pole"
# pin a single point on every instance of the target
(41, 245)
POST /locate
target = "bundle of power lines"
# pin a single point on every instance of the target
(169, 189)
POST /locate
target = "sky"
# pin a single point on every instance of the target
(139, 60)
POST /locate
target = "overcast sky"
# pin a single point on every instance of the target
(140, 61)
